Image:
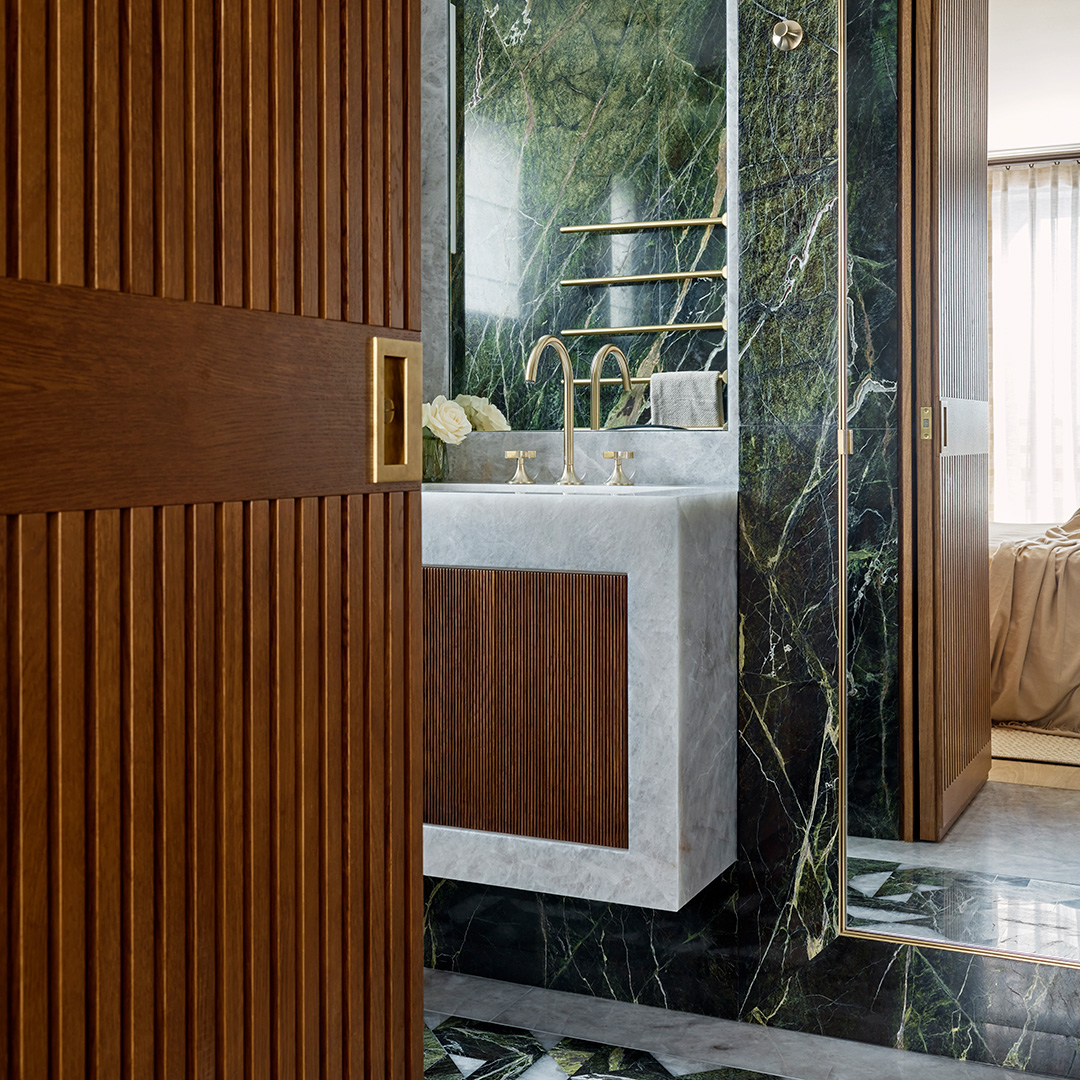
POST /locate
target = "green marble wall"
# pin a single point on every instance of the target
(581, 113)
(760, 944)
(873, 617)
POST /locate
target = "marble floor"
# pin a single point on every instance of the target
(490, 1030)
(1006, 877)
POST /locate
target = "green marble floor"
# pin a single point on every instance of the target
(458, 1048)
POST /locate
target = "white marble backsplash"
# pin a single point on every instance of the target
(660, 456)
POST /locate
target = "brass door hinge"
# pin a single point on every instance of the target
(926, 422)
(845, 442)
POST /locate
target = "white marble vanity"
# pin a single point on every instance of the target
(677, 546)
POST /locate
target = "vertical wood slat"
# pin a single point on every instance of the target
(68, 834)
(282, 160)
(374, 166)
(103, 144)
(202, 848)
(28, 776)
(170, 176)
(229, 123)
(257, 829)
(331, 815)
(201, 62)
(308, 192)
(307, 785)
(137, 150)
(229, 796)
(283, 789)
(413, 776)
(27, 166)
(67, 218)
(354, 161)
(104, 810)
(412, 181)
(256, 165)
(170, 773)
(137, 756)
(395, 163)
(397, 977)
(373, 780)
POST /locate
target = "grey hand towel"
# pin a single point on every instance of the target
(692, 399)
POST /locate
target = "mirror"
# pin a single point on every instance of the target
(612, 114)
(1002, 880)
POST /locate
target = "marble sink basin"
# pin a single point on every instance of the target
(677, 546)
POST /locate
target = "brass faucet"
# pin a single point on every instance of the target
(568, 474)
(594, 380)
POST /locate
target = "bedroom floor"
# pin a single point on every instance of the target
(1006, 877)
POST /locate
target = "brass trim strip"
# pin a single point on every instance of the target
(640, 279)
(638, 226)
(592, 331)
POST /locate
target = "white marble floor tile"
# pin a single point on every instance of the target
(546, 1068)
(468, 996)
(701, 1039)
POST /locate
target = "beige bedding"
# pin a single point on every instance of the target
(1035, 629)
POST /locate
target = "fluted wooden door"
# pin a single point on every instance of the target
(209, 613)
(951, 461)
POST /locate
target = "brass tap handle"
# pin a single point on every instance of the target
(521, 476)
(618, 478)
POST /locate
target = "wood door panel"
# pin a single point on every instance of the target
(230, 837)
(210, 780)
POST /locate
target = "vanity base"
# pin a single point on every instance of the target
(676, 547)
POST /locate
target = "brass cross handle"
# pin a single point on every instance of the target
(521, 476)
(618, 478)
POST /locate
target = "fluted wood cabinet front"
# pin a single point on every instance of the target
(210, 774)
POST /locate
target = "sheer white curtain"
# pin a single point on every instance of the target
(1035, 335)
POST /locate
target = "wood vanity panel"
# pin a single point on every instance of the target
(525, 697)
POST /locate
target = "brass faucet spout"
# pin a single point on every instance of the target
(594, 380)
(531, 364)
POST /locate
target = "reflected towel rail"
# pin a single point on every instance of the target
(642, 279)
(614, 331)
(638, 226)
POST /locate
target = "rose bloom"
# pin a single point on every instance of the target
(446, 420)
(482, 414)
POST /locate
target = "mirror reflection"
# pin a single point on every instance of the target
(961, 824)
(593, 209)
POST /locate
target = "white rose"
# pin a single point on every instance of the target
(482, 414)
(446, 420)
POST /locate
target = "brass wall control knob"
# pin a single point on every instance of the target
(787, 34)
(618, 478)
(521, 476)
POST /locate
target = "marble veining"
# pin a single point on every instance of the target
(577, 114)
(677, 547)
(759, 944)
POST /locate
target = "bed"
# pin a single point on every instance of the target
(1035, 653)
